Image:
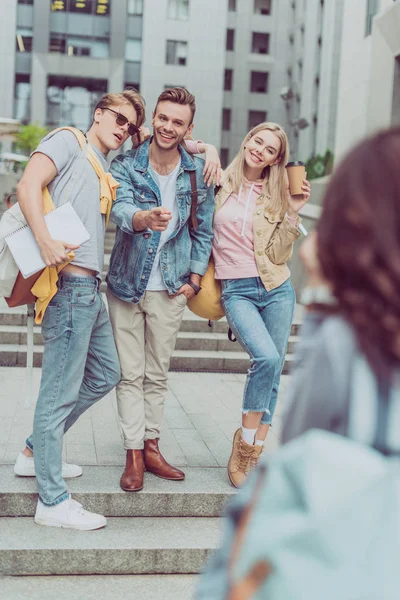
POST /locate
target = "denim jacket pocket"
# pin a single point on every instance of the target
(143, 196)
(201, 196)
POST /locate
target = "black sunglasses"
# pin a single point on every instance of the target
(121, 120)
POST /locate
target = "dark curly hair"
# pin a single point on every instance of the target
(359, 245)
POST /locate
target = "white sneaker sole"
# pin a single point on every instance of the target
(33, 474)
(50, 523)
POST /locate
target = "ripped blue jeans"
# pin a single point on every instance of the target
(261, 322)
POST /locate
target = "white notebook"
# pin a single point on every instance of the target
(63, 224)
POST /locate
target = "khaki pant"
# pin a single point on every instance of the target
(145, 336)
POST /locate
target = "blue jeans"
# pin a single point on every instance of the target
(261, 321)
(80, 366)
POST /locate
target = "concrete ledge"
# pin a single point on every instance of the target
(125, 546)
(141, 587)
(203, 494)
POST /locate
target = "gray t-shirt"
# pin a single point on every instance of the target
(76, 182)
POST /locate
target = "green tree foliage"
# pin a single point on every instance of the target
(28, 137)
(319, 165)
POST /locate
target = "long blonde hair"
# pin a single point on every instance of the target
(274, 189)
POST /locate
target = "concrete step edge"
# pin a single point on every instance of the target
(126, 546)
(202, 494)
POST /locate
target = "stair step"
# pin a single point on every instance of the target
(12, 355)
(187, 340)
(202, 494)
(137, 545)
(190, 321)
(143, 587)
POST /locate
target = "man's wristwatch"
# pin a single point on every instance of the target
(194, 287)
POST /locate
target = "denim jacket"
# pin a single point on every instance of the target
(187, 251)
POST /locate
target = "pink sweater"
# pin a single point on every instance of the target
(233, 244)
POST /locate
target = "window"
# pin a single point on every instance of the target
(78, 45)
(57, 43)
(90, 7)
(256, 117)
(260, 43)
(135, 7)
(259, 82)
(176, 53)
(178, 10)
(71, 100)
(230, 39)
(262, 7)
(372, 9)
(24, 40)
(132, 86)
(168, 86)
(228, 80)
(232, 5)
(224, 157)
(22, 95)
(133, 50)
(25, 2)
(226, 119)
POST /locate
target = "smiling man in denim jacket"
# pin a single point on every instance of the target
(157, 262)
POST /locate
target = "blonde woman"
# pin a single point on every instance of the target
(255, 226)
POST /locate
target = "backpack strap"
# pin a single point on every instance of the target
(195, 196)
(77, 133)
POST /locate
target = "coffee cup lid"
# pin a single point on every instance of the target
(296, 163)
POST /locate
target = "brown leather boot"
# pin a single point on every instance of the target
(132, 477)
(155, 462)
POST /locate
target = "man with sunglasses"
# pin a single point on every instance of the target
(160, 254)
(80, 361)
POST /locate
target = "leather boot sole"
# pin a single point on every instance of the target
(131, 489)
(167, 478)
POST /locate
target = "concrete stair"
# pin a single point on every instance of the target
(93, 587)
(202, 494)
(126, 546)
(167, 528)
(198, 347)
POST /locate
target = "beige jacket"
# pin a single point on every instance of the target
(274, 237)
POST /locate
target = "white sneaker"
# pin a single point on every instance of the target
(68, 514)
(25, 467)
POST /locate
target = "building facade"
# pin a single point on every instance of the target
(246, 61)
(369, 95)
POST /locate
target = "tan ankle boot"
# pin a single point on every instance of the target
(255, 457)
(240, 460)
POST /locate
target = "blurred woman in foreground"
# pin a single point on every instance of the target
(347, 373)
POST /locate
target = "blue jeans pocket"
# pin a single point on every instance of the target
(51, 322)
(85, 297)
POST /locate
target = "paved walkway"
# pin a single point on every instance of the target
(201, 414)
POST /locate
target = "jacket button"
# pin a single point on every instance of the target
(135, 299)
(259, 232)
(259, 212)
(260, 253)
(146, 236)
(143, 277)
(150, 250)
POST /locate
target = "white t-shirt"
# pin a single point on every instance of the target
(167, 186)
